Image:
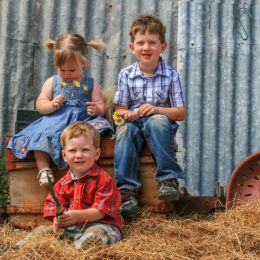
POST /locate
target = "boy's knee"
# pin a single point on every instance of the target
(129, 129)
(121, 131)
(157, 122)
(97, 230)
(92, 236)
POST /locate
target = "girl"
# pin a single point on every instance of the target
(67, 97)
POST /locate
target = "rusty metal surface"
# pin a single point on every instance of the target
(199, 204)
(27, 221)
(29, 209)
(244, 183)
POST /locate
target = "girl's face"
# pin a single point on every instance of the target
(80, 154)
(71, 70)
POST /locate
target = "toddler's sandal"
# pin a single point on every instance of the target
(42, 176)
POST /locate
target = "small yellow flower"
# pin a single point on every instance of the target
(63, 84)
(118, 119)
(76, 84)
(115, 115)
(85, 88)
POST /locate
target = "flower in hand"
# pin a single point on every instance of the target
(118, 119)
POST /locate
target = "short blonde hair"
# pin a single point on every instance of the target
(68, 45)
(77, 129)
(148, 23)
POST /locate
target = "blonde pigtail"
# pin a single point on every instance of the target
(49, 44)
(97, 44)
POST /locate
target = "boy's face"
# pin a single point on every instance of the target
(80, 154)
(147, 49)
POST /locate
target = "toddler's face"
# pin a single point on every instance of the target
(80, 154)
(71, 70)
(147, 48)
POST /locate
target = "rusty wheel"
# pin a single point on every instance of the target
(244, 182)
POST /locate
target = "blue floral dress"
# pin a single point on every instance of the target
(44, 133)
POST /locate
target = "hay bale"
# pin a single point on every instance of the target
(232, 234)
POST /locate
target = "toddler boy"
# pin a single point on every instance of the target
(89, 197)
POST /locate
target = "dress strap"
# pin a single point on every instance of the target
(56, 80)
(90, 84)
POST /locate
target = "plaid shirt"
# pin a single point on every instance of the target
(94, 190)
(162, 89)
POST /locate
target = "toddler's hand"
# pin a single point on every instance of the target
(147, 110)
(69, 218)
(92, 109)
(55, 226)
(57, 101)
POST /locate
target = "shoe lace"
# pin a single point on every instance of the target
(126, 195)
(171, 183)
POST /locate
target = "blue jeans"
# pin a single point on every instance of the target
(159, 132)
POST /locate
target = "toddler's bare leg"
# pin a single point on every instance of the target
(42, 159)
(43, 164)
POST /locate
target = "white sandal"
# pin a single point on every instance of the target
(42, 176)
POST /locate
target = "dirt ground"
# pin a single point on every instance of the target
(231, 234)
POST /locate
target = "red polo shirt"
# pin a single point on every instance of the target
(94, 190)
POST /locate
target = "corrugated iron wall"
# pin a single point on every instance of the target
(25, 25)
(213, 43)
(218, 59)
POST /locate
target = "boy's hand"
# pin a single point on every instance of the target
(69, 218)
(147, 110)
(92, 109)
(57, 101)
(55, 226)
(131, 115)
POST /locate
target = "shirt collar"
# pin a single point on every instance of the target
(161, 70)
(93, 171)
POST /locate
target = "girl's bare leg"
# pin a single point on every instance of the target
(42, 159)
(43, 164)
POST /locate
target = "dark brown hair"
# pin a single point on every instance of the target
(148, 23)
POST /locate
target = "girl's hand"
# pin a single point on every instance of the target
(69, 218)
(92, 108)
(57, 101)
(131, 115)
(147, 110)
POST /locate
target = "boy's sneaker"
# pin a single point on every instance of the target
(169, 190)
(129, 204)
(42, 176)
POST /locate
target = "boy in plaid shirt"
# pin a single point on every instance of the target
(89, 198)
(150, 98)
